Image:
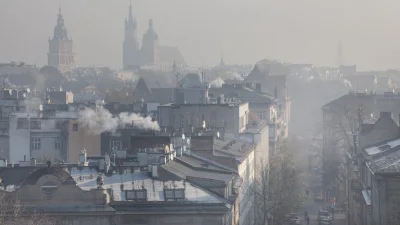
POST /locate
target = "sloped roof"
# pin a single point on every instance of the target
(385, 156)
(142, 91)
(15, 175)
(170, 54)
(244, 94)
(184, 172)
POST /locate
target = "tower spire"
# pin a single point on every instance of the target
(222, 63)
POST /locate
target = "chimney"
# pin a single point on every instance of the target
(154, 172)
(33, 162)
(83, 158)
(258, 87)
(3, 162)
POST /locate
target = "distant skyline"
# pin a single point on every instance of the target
(304, 31)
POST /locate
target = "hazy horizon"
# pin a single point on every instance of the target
(305, 31)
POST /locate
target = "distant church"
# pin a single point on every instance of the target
(150, 53)
(60, 53)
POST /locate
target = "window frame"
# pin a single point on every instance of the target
(36, 143)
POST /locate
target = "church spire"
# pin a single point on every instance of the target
(222, 63)
(60, 31)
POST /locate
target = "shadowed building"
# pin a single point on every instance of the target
(60, 53)
(130, 45)
(149, 53)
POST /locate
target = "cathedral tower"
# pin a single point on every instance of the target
(130, 45)
(149, 51)
(60, 53)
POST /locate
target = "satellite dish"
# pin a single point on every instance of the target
(41, 107)
(218, 134)
(204, 124)
(188, 141)
(183, 136)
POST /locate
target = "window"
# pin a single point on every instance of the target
(35, 143)
(22, 123)
(139, 195)
(36, 124)
(115, 145)
(260, 115)
(75, 127)
(174, 194)
(57, 143)
(59, 124)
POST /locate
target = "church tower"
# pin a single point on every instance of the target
(130, 45)
(60, 54)
(149, 51)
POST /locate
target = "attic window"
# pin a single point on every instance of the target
(174, 194)
(137, 195)
(49, 187)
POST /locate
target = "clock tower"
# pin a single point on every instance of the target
(60, 53)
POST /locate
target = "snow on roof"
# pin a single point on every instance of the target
(367, 196)
(383, 147)
(86, 179)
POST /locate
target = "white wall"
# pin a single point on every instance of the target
(19, 142)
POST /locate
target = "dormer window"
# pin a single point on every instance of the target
(136, 195)
(174, 194)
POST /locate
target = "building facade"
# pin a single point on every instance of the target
(60, 54)
(148, 54)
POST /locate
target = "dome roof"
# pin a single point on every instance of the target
(61, 174)
(191, 81)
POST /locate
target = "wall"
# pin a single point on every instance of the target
(194, 219)
(214, 115)
(81, 139)
(19, 142)
(48, 148)
(246, 171)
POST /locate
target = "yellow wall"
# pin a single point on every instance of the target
(80, 139)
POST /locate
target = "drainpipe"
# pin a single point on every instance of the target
(379, 199)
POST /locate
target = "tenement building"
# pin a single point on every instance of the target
(152, 187)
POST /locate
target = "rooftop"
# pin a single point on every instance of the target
(383, 147)
(137, 180)
(231, 146)
(184, 171)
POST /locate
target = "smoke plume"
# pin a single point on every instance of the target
(101, 120)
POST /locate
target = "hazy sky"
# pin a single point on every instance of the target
(302, 31)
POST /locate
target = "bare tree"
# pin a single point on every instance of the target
(14, 213)
(277, 188)
(344, 125)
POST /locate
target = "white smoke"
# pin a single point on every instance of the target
(217, 82)
(347, 83)
(32, 104)
(101, 120)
